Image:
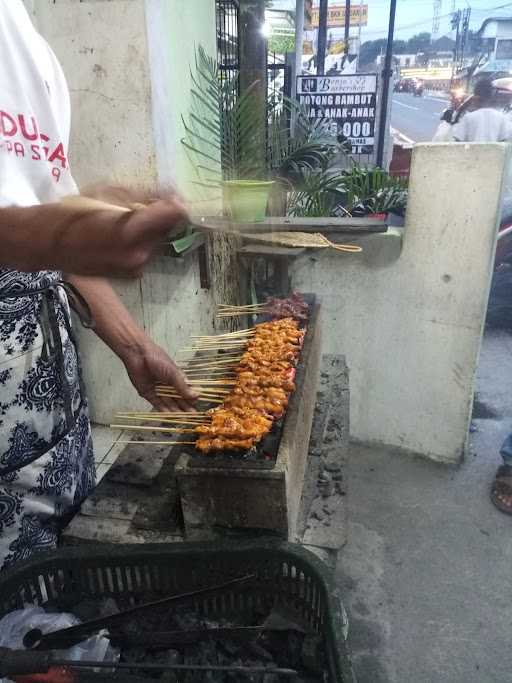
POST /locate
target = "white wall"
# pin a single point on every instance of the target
(411, 326)
(127, 100)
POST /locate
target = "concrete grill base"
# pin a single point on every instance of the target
(260, 499)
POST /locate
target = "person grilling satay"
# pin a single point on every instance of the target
(46, 458)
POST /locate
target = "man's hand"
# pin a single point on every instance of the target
(148, 366)
(95, 240)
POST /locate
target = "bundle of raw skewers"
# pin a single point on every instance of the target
(251, 380)
(293, 307)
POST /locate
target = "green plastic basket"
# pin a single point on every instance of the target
(285, 572)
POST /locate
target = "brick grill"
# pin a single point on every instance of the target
(156, 496)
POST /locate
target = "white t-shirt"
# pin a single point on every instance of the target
(484, 125)
(34, 114)
(488, 125)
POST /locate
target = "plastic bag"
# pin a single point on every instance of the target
(15, 625)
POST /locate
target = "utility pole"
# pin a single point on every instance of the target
(456, 18)
(436, 20)
(322, 38)
(466, 16)
(299, 39)
(253, 64)
(347, 26)
(359, 31)
(387, 73)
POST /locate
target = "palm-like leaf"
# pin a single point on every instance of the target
(222, 131)
(372, 191)
(316, 195)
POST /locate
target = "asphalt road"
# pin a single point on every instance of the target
(417, 118)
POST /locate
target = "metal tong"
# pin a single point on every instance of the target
(14, 663)
(67, 637)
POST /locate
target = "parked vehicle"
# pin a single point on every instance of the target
(404, 85)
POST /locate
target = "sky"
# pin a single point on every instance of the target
(415, 16)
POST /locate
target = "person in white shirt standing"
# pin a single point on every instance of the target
(486, 121)
(46, 460)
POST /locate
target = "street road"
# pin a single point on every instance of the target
(417, 118)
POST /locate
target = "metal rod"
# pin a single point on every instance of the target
(347, 26)
(359, 30)
(299, 39)
(386, 78)
(322, 38)
(20, 663)
(177, 667)
(34, 639)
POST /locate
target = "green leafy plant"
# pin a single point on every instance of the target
(355, 192)
(371, 190)
(223, 133)
(223, 129)
(316, 194)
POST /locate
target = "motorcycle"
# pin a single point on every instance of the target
(418, 89)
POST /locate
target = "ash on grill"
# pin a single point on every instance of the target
(267, 636)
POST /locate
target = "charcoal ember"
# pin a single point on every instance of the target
(186, 621)
(167, 657)
(230, 646)
(311, 654)
(260, 652)
(84, 610)
(134, 655)
(108, 607)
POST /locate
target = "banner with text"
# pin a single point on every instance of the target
(349, 103)
(336, 16)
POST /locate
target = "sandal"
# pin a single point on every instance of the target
(502, 486)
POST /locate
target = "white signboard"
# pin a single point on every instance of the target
(348, 102)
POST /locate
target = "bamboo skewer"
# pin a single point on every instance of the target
(241, 305)
(248, 332)
(204, 394)
(166, 421)
(175, 413)
(157, 443)
(215, 360)
(143, 428)
(203, 400)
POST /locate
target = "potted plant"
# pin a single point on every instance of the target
(223, 132)
(231, 151)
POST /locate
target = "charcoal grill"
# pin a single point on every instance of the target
(289, 575)
(234, 492)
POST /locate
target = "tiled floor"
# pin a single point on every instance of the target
(106, 450)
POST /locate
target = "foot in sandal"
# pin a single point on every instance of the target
(501, 492)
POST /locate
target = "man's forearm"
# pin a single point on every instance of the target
(113, 322)
(28, 237)
(146, 363)
(85, 236)
(51, 236)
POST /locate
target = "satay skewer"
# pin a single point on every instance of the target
(144, 428)
(165, 421)
(156, 443)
